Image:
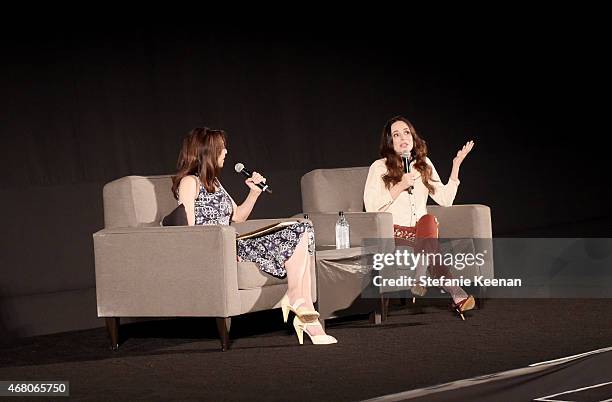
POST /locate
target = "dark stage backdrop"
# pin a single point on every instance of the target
(80, 108)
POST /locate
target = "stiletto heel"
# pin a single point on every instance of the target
(417, 290)
(301, 327)
(299, 331)
(305, 314)
(464, 305)
(285, 313)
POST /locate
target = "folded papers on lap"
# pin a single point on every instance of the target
(275, 227)
(178, 217)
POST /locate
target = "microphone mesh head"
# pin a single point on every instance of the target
(405, 154)
(238, 168)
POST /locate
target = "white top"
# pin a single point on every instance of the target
(407, 208)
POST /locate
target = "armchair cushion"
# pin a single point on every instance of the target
(251, 277)
(333, 190)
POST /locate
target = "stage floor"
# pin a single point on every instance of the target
(414, 348)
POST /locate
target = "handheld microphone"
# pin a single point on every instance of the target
(406, 159)
(239, 168)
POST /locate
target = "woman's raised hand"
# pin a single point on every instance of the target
(462, 153)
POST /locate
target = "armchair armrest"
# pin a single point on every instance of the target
(471, 221)
(467, 221)
(166, 271)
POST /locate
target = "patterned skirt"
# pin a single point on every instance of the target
(271, 251)
(404, 235)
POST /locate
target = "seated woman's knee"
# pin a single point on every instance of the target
(428, 220)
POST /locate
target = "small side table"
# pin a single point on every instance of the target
(342, 276)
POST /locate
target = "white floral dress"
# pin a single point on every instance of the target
(270, 251)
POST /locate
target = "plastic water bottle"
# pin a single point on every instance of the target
(342, 232)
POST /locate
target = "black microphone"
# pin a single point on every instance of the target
(406, 159)
(239, 168)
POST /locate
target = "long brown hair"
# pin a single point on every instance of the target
(199, 156)
(395, 169)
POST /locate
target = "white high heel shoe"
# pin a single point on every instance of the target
(306, 315)
(301, 327)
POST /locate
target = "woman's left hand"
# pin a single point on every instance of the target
(255, 179)
(462, 153)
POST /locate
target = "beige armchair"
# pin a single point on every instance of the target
(327, 191)
(144, 270)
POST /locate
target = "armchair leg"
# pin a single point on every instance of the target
(380, 313)
(482, 295)
(384, 306)
(375, 317)
(112, 326)
(223, 327)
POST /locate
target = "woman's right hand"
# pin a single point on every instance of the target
(407, 181)
(253, 181)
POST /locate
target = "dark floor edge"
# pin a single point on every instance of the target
(532, 368)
